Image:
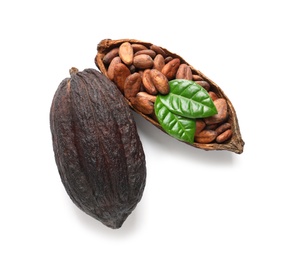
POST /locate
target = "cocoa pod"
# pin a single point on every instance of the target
(97, 149)
(170, 65)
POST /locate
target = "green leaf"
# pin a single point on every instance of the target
(175, 125)
(188, 99)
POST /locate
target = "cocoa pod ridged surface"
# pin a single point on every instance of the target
(97, 149)
(149, 61)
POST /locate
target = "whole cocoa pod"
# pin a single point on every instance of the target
(97, 149)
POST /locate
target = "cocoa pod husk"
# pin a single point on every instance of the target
(234, 144)
(97, 149)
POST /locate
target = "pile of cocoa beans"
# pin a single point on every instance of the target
(141, 72)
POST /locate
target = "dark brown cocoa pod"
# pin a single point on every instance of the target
(97, 149)
(235, 142)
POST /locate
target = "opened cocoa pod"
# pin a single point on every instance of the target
(171, 94)
(97, 149)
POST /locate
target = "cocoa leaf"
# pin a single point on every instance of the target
(188, 99)
(180, 127)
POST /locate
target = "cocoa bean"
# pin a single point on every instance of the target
(223, 128)
(151, 98)
(213, 95)
(197, 78)
(138, 47)
(151, 53)
(200, 124)
(108, 57)
(148, 82)
(170, 69)
(184, 72)
(160, 81)
(203, 84)
(132, 85)
(206, 136)
(110, 71)
(142, 104)
(143, 61)
(159, 62)
(222, 112)
(126, 53)
(211, 127)
(226, 135)
(168, 59)
(121, 72)
(158, 50)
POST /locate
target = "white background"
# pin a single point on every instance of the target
(197, 204)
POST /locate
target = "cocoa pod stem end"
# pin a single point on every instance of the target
(73, 71)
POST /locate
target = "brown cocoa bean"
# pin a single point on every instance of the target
(158, 50)
(203, 84)
(132, 85)
(222, 112)
(121, 72)
(170, 69)
(200, 124)
(143, 61)
(197, 78)
(159, 62)
(226, 135)
(148, 83)
(223, 128)
(108, 57)
(126, 53)
(211, 127)
(206, 136)
(184, 72)
(142, 104)
(151, 98)
(110, 71)
(151, 53)
(138, 47)
(160, 81)
(168, 59)
(212, 95)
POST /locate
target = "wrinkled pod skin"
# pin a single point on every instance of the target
(97, 149)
